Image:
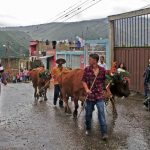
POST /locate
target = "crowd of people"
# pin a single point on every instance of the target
(23, 76)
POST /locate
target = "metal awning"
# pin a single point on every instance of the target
(45, 57)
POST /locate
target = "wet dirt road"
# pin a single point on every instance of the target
(24, 126)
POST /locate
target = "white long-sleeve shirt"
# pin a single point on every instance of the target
(103, 65)
(120, 70)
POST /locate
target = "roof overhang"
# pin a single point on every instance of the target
(130, 14)
(45, 57)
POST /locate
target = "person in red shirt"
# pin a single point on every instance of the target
(113, 69)
(111, 72)
(95, 73)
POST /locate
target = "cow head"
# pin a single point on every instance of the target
(44, 77)
(120, 85)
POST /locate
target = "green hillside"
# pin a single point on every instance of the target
(20, 36)
(17, 43)
(90, 29)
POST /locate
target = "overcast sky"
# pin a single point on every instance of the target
(29, 12)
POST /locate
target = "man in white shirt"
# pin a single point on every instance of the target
(102, 62)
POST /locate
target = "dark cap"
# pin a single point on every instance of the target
(60, 61)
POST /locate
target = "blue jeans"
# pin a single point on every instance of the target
(145, 90)
(101, 115)
(57, 94)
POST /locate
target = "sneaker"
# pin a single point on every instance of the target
(146, 102)
(54, 104)
(123, 97)
(105, 137)
(60, 103)
(61, 106)
(87, 132)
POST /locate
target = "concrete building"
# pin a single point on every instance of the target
(101, 47)
(76, 57)
(129, 35)
(41, 51)
(48, 51)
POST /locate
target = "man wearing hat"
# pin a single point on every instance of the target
(56, 72)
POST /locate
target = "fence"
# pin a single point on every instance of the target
(130, 43)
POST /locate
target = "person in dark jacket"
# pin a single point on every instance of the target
(147, 86)
(146, 80)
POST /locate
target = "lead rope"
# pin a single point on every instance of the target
(87, 96)
(48, 82)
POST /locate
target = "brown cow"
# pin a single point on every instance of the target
(71, 86)
(40, 83)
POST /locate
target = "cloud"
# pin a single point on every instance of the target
(120, 9)
(7, 16)
(8, 20)
(3, 24)
(29, 12)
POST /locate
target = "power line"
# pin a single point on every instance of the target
(66, 9)
(84, 9)
(78, 7)
(89, 7)
(71, 11)
(75, 15)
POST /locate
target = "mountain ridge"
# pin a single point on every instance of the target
(88, 29)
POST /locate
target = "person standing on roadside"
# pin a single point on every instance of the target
(146, 80)
(102, 62)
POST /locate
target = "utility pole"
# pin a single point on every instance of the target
(20, 54)
(82, 40)
(85, 49)
(7, 53)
